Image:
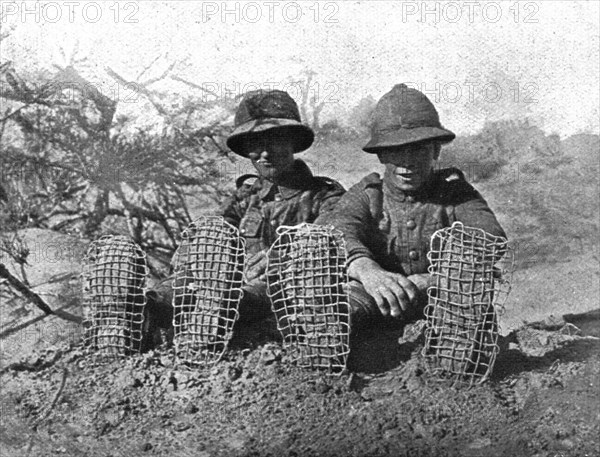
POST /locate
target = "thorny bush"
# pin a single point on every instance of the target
(67, 166)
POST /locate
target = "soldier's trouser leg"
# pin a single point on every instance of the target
(160, 303)
(255, 304)
(159, 314)
(364, 311)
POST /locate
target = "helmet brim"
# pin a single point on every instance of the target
(302, 135)
(404, 137)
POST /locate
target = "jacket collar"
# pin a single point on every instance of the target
(396, 194)
(297, 180)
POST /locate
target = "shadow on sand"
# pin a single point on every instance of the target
(580, 343)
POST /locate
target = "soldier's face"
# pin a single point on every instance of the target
(408, 168)
(271, 155)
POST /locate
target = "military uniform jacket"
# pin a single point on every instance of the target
(258, 209)
(394, 228)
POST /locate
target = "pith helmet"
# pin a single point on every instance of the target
(264, 111)
(404, 116)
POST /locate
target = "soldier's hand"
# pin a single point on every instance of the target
(422, 281)
(393, 292)
(256, 267)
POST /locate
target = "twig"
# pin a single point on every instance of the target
(61, 313)
(194, 85)
(47, 412)
(162, 76)
(147, 67)
(63, 382)
(24, 275)
(24, 290)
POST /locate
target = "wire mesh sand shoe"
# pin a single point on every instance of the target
(114, 287)
(207, 290)
(471, 272)
(307, 283)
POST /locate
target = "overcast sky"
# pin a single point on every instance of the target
(476, 60)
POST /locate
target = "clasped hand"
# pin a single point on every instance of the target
(394, 293)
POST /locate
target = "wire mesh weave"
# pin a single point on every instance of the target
(470, 285)
(307, 284)
(206, 289)
(114, 288)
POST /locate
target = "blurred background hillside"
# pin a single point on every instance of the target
(113, 116)
(71, 164)
(544, 189)
(74, 166)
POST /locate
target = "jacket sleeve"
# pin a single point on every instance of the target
(472, 210)
(232, 210)
(351, 215)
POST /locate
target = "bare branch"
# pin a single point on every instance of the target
(147, 67)
(143, 91)
(162, 76)
(24, 290)
(105, 105)
(61, 225)
(194, 85)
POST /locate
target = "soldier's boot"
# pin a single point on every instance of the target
(461, 335)
(114, 286)
(208, 272)
(308, 286)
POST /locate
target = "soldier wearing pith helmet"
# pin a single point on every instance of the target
(388, 221)
(268, 131)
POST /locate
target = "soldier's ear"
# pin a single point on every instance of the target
(437, 148)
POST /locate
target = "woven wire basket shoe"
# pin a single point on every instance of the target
(471, 272)
(207, 290)
(114, 286)
(307, 283)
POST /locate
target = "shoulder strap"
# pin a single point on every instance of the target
(331, 183)
(375, 202)
(451, 174)
(247, 180)
(372, 187)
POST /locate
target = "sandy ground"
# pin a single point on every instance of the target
(543, 398)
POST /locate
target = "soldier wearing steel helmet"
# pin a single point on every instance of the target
(388, 222)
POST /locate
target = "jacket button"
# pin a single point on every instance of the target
(413, 255)
(411, 224)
